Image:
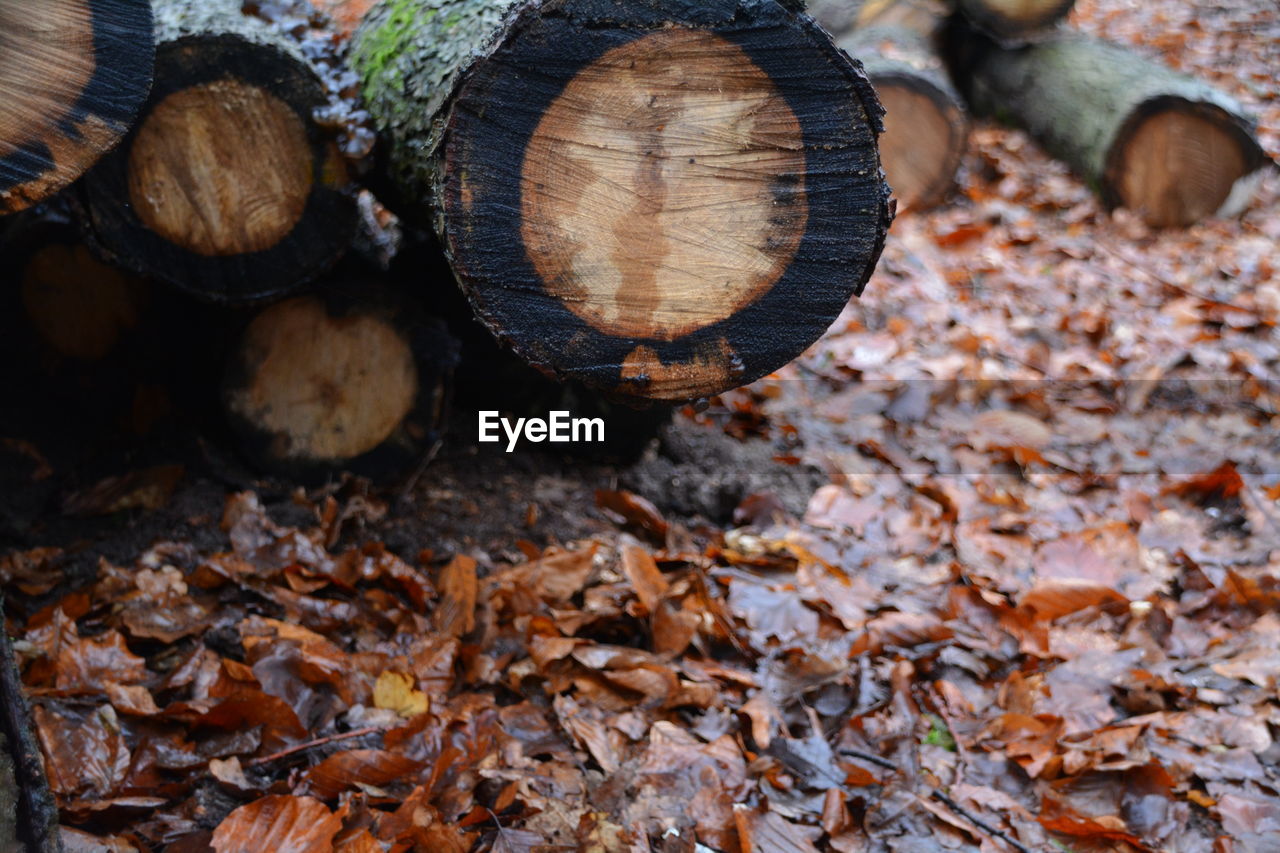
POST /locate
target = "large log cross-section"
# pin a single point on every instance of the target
(662, 199)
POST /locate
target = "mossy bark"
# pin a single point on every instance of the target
(410, 55)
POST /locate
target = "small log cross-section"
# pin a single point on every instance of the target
(1015, 21)
(228, 187)
(925, 124)
(663, 199)
(73, 74)
(1167, 146)
(346, 378)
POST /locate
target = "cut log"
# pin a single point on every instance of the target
(80, 307)
(926, 127)
(346, 379)
(228, 187)
(661, 199)
(841, 17)
(1167, 146)
(96, 348)
(73, 74)
(1015, 21)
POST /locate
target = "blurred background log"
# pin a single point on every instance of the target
(73, 74)
(661, 200)
(1015, 21)
(926, 127)
(353, 377)
(228, 187)
(1167, 146)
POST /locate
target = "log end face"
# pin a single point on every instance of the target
(663, 190)
(74, 74)
(221, 168)
(310, 388)
(79, 306)
(678, 190)
(1178, 162)
(227, 188)
(923, 142)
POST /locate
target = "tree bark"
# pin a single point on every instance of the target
(228, 187)
(926, 126)
(1167, 146)
(73, 74)
(348, 378)
(1014, 22)
(661, 199)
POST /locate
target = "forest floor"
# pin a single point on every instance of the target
(994, 566)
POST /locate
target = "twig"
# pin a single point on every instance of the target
(983, 825)
(427, 458)
(868, 756)
(312, 744)
(934, 793)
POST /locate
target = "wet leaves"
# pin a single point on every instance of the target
(278, 823)
(1037, 600)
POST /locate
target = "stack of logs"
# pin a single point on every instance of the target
(661, 200)
(1170, 148)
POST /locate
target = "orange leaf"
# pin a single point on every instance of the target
(281, 824)
(354, 767)
(649, 583)
(456, 614)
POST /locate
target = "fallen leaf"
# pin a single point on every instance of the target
(280, 824)
(394, 691)
(456, 613)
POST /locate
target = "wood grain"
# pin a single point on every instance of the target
(222, 168)
(73, 74)
(326, 387)
(663, 190)
(1178, 167)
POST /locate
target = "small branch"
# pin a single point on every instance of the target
(868, 756)
(983, 825)
(935, 794)
(312, 744)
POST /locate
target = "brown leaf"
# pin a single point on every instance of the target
(281, 824)
(456, 613)
(231, 774)
(1222, 483)
(75, 841)
(646, 579)
(83, 750)
(344, 770)
(149, 488)
(34, 571)
(1004, 428)
(1050, 600)
(93, 663)
(517, 841)
(1060, 818)
(132, 699)
(760, 830)
(635, 511)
